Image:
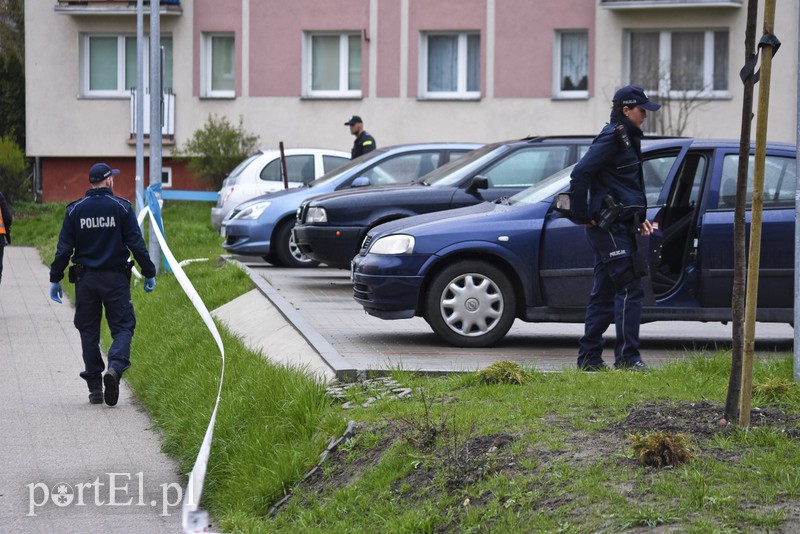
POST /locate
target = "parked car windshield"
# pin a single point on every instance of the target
(545, 190)
(231, 178)
(339, 171)
(452, 173)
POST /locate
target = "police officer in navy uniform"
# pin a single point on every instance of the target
(364, 142)
(99, 233)
(608, 198)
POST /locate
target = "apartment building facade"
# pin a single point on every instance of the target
(415, 70)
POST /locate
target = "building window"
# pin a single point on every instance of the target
(681, 64)
(218, 73)
(571, 64)
(166, 176)
(332, 65)
(450, 65)
(108, 65)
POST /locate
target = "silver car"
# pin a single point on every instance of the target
(262, 173)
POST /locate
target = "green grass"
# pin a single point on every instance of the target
(422, 464)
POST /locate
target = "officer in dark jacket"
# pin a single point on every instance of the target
(608, 198)
(6, 218)
(99, 233)
(364, 142)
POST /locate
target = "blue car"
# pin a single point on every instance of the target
(263, 226)
(472, 271)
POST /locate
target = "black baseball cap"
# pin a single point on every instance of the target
(355, 119)
(632, 96)
(101, 171)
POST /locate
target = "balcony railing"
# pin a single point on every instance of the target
(114, 7)
(649, 4)
(167, 112)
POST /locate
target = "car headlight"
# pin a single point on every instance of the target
(316, 215)
(393, 245)
(252, 212)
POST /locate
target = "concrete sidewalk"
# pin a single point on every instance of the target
(102, 464)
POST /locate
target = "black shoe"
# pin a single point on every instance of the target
(96, 396)
(111, 382)
(639, 367)
(593, 367)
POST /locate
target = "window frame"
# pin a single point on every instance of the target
(344, 90)
(206, 58)
(85, 64)
(166, 172)
(462, 66)
(665, 61)
(557, 60)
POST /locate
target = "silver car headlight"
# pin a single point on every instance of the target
(316, 215)
(252, 212)
(393, 245)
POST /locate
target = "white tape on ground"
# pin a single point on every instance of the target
(193, 519)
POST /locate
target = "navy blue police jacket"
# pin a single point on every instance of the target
(609, 168)
(98, 232)
(364, 143)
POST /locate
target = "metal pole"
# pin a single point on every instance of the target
(754, 262)
(283, 166)
(139, 105)
(797, 232)
(155, 116)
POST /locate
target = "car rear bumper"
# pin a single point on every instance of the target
(330, 245)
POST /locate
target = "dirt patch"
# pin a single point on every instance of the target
(469, 458)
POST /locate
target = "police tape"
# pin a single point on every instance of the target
(193, 519)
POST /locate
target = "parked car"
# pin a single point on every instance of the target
(263, 226)
(471, 272)
(331, 228)
(263, 173)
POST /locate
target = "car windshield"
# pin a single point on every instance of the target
(231, 178)
(452, 173)
(339, 171)
(544, 190)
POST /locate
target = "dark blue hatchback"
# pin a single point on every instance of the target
(471, 272)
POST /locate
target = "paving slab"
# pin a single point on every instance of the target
(69, 466)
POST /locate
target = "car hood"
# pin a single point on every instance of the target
(364, 194)
(479, 222)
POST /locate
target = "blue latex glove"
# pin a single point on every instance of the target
(149, 284)
(55, 291)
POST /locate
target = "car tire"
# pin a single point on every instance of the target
(286, 252)
(471, 304)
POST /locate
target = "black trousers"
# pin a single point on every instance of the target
(94, 292)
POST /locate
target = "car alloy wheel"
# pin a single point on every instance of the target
(287, 253)
(471, 304)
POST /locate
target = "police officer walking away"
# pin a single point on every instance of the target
(98, 232)
(364, 142)
(6, 219)
(608, 198)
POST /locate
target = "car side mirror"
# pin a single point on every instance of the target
(478, 182)
(562, 204)
(361, 181)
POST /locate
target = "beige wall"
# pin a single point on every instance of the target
(61, 124)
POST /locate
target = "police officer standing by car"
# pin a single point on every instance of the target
(608, 198)
(99, 233)
(364, 142)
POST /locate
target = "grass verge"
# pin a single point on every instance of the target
(465, 453)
